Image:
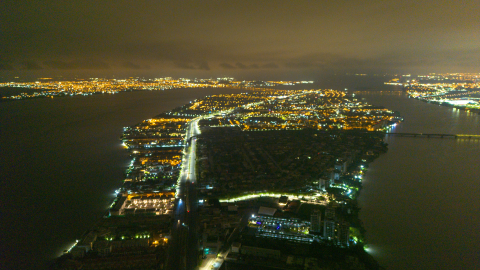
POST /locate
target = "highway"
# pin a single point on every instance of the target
(182, 253)
(183, 250)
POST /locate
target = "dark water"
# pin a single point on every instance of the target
(61, 160)
(421, 200)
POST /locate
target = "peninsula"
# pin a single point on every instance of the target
(267, 178)
(458, 90)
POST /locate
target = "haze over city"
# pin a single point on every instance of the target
(216, 134)
(243, 39)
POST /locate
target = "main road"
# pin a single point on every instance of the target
(183, 250)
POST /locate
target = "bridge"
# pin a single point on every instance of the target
(434, 135)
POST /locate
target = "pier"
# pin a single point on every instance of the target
(434, 135)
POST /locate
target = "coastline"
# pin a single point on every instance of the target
(415, 113)
(461, 108)
(79, 251)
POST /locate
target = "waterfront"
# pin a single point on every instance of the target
(409, 206)
(61, 161)
(420, 203)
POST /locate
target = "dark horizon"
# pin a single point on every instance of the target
(298, 40)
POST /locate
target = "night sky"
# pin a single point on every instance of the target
(249, 38)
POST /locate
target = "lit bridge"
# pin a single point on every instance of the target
(434, 135)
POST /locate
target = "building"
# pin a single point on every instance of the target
(323, 184)
(329, 229)
(236, 247)
(145, 203)
(266, 211)
(283, 200)
(316, 222)
(343, 234)
(330, 213)
(335, 176)
(341, 166)
(118, 205)
(261, 252)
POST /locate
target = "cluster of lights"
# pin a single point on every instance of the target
(274, 195)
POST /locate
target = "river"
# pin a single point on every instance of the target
(61, 161)
(420, 201)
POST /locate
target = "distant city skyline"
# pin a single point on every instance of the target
(294, 40)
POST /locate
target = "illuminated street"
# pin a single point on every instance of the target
(182, 253)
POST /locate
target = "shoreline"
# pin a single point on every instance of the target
(140, 146)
